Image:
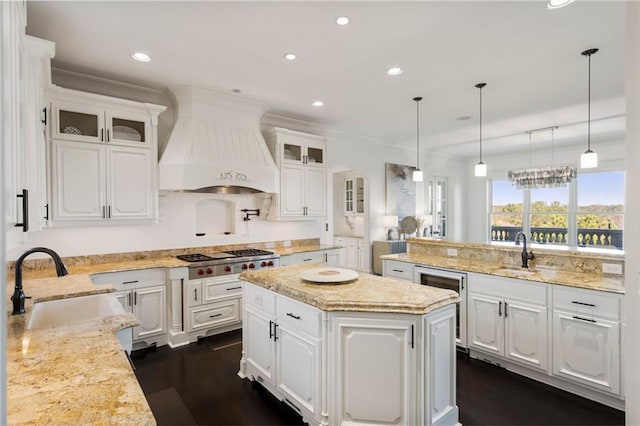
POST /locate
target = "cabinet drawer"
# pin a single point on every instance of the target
(214, 291)
(298, 316)
(215, 314)
(307, 257)
(589, 303)
(127, 280)
(259, 298)
(510, 288)
(395, 269)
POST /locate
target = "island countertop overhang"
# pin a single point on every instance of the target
(368, 293)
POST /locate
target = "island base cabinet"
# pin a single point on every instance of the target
(439, 387)
(258, 348)
(586, 351)
(374, 371)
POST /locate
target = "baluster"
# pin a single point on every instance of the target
(602, 239)
(594, 238)
(609, 240)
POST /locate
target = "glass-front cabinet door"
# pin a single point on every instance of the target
(305, 152)
(79, 123)
(127, 130)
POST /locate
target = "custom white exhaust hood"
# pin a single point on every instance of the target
(216, 145)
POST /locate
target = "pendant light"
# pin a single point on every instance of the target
(589, 159)
(481, 168)
(417, 173)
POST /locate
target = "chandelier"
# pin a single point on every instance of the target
(542, 177)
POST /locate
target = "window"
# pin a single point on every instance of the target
(587, 213)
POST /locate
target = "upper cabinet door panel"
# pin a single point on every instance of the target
(129, 182)
(78, 122)
(127, 130)
(78, 171)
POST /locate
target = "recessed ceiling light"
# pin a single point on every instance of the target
(317, 103)
(141, 57)
(236, 90)
(395, 71)
(464, 118)
(290, 56)
(557, 4)
(343, 20)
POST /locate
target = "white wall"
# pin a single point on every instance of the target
(631, 328)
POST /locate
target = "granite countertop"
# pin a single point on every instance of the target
(540, 274)
(369, 293)
(284, 251)
(70, 374)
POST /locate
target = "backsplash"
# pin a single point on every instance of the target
(570, 261)
(72, 261)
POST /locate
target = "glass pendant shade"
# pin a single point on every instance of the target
(589, 160)
(480, 170)
(417, 175)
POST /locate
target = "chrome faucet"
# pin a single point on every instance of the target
(526, 256)
(18, 295)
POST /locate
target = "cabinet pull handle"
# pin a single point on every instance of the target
(583, 304)
(506, 309)
(412, 333)
(25, 211)
(195, 291)
(104, 212)
(461, 283)
(215, 315)
(234, 288)
(270, 329)
(307, 260)
(135, 297)
(101, 135)
(500, 309)
(129, 299)
(109, 212)
(275, 332)
(44, 120)
(46, 211)
(129, 282)
(583, 319)
(289, 314)
(397, 270)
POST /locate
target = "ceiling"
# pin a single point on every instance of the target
(528, 56)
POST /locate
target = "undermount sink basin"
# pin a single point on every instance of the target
(68, 311)
(517, 271)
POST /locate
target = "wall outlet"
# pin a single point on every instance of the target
(452, 252)
(612, 268)
(286, 243)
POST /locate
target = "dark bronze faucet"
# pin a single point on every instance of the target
(526, 256)
(18, 295)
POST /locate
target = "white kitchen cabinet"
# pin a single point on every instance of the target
(213, 305)
(103, 159)
(587, 344)
(303, 174)
(508, 318)
(395, 269)
(143, 293)
(375, 380)
(353, 201)
(332, 257)
(282, 348)
(352, 252)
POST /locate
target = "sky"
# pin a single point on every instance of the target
(593, 188)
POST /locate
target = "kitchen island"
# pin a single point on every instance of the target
(368, 351)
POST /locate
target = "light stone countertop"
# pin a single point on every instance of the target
(71, 374)
(285, 251)
(540, 274)
(369, 293)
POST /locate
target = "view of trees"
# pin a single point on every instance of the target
(555, 215)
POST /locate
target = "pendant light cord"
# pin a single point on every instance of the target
(481, 124)
(589, 108)
(417, 99)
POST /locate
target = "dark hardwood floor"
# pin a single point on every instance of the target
(198, 384)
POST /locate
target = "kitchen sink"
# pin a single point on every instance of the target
(68, 311)
(520, 272)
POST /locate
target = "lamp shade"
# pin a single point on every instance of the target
(481, 170)
(589, 160)
(417, 176)
(390, 221)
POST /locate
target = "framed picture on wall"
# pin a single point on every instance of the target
(400, 190)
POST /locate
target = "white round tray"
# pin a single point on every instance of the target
(329, 275)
